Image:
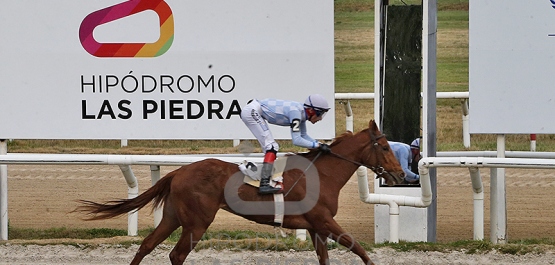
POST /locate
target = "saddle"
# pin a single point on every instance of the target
(252, 174)
(252, 177)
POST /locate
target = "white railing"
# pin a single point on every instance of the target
(473, 164)
(394, 201)
(473, 161)
(123, 161)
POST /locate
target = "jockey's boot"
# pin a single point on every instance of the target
(266, 173)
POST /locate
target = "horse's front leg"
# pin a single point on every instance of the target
(340, 236)
(319, 242)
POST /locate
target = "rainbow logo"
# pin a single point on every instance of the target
(122, 10)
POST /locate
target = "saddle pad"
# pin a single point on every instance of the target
(277, 172)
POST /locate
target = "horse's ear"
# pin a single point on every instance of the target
(372, 125)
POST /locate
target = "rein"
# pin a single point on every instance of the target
(378, 170)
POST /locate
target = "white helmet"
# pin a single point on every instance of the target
(317, 102)
(415, 144)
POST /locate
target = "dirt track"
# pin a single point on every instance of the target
(108, 254)
(42, 196)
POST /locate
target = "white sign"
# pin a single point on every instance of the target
(512, 65)
(153, 69)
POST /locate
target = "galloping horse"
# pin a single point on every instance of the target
(192, 194)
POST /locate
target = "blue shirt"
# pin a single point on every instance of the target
(282, 113)
(404, 156)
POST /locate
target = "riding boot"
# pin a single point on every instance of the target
(266, 174)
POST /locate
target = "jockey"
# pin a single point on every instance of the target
(416, 155)
(258, 113)
(408, 156)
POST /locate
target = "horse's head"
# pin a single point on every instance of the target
(379, 157)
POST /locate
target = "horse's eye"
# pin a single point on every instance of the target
(385, 148)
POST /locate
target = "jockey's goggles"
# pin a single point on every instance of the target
(320, 112)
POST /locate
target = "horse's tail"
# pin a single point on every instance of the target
(110, 209)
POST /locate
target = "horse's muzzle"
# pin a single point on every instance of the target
(392, 178)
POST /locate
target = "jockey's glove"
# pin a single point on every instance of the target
(324, 148)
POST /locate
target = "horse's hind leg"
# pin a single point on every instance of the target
(167, 225)
(187, 242)
(195, 216)
(194, 222)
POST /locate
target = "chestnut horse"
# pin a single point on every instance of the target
(192, 194)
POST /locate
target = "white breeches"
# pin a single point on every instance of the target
(258, 126)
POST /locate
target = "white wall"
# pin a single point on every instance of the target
(223, 52)
(512, 61)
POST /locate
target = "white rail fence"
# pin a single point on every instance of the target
(123, 161)
(476, 160)
(449, 159)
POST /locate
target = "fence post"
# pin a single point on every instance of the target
(348, 115)
(132, 192)
(498, 198)
(465, 122)
(155, 177)
(3, 193)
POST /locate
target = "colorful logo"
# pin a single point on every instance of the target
(122, 10)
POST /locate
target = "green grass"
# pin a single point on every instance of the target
(54, 233)
(239, 240)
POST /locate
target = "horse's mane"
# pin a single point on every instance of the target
(342, 137)
(336, 141)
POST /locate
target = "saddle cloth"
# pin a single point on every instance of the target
(252, 177)
(252, 172)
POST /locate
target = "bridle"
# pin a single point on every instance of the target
(379, 170)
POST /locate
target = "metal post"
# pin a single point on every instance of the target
(155, 177)
(478, 195)
(498, 199)
(132, 192)
(348, 115)
(429, 102)
(466, 124)
(3, 193)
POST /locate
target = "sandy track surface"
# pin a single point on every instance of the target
(109, 254)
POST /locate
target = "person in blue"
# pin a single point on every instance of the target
(408, 157)
(416, 155)
(257, 114)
